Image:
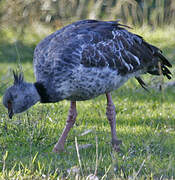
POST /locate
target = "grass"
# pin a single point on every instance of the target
(145, 123)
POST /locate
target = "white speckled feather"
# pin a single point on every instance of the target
(89, 58)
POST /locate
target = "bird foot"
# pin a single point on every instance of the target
(116, 144)
(58, 148)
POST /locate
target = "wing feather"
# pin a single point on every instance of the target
(117, 52)
(112, 45)
(97, 44)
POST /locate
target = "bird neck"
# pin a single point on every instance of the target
(34, 95)
(42, 91)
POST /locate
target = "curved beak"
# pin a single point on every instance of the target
(10, 113)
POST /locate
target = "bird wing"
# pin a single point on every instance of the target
(113, 46)
(97, 44)
(110, 44)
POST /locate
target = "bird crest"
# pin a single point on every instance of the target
(18, 77)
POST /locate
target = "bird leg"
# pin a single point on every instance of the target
(111, 115)
(69, 124)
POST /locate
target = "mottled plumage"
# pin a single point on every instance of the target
(90, 57)
(81, 61)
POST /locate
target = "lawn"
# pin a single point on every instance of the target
(145, 123)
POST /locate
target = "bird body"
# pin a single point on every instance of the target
(89, 58)
(83, 60)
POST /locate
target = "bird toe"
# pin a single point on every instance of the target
(58, 149)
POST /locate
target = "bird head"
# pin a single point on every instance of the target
(20, 96)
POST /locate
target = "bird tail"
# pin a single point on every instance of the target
(158, 66)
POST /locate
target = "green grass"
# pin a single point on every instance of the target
(145, 123)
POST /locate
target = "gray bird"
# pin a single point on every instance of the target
(81, 61)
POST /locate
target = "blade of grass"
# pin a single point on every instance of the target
(78, 155)
(96, 166)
